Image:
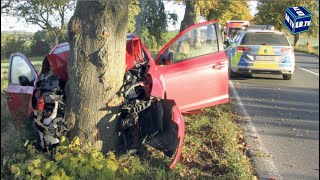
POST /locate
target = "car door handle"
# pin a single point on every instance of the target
(215, 66)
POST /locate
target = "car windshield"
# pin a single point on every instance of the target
(271, 39)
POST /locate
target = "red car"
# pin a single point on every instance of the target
(189, 73)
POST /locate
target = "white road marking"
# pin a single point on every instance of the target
(270, 167)
(308, 71)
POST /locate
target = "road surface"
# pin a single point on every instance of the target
(285, 114)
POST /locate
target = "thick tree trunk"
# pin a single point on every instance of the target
(97, 33)
(296, 39)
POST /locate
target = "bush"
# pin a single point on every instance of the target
(65, 162)
(39, 48)
(11, 44)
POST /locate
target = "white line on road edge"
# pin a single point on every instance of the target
(308, 71)
(264, 166)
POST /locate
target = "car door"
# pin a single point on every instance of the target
(194, 67)
(21, 81)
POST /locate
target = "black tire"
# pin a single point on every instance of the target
(287, 76)
(234, 74)
(247, 75)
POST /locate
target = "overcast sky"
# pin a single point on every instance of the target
(13, 24)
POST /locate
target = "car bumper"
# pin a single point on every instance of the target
(254, 70)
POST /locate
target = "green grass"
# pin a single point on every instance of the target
(211, 148)
(309, 50)
(302, 46)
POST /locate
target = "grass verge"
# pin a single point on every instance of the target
(306, 50)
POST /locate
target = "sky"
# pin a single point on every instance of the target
(9, 23)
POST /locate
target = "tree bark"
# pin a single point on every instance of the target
(97, 37)
(296, 39)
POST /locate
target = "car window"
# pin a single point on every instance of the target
(271, 39)
(197, 42)
(61, 49)
(20, 70)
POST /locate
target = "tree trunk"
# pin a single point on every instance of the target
(97, 37)
(56, 39)
(189, 15)
(296, 39)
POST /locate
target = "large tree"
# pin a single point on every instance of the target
(49, 15)
(278, 9)
(96, 68)
(228, 10)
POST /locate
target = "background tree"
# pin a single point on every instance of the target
(96, 68)
(39, 45)
(49, 15)
(133, 11)
(6, 6)
(152, 22)
(278, 9)
(11, 44)
(215, 9)
(228, 10)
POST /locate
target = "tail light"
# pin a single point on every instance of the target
(286, 50)
(242, 49)
(40, 103)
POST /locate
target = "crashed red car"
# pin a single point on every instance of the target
(189, 73)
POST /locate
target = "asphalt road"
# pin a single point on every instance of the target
(285, 114)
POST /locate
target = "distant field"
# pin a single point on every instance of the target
(303, 41)
(36, 62)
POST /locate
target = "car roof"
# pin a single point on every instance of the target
(261, 31)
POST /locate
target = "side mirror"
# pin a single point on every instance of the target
(24, 81)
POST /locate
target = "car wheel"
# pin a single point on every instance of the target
(247, 75)
(233, 74)
(287, 76)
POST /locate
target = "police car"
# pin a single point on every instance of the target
(260, 49)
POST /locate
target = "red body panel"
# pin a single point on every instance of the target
(178, 119)
(195, 84)
(19, 104)
(133, 52)
(58, 60)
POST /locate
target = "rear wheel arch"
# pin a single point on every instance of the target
(287, 76)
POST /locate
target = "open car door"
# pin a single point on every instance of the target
(194, 67)
(21, 82)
